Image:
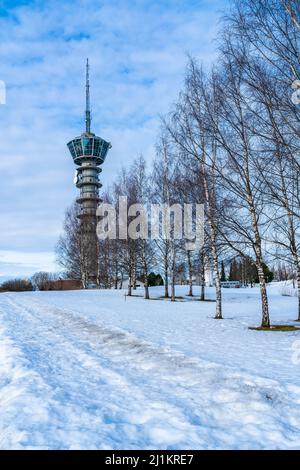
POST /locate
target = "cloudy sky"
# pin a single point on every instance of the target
(138, 52)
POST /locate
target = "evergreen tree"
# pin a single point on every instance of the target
(223, 275)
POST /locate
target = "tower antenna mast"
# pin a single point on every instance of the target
(87, 107)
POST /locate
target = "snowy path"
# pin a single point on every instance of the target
(67, 382)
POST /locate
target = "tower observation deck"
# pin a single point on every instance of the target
(88, 152)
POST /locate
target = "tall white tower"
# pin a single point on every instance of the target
(88, 152)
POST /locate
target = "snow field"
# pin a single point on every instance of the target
(88, 370)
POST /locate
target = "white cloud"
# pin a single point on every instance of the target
(137, 51)
(18, 263)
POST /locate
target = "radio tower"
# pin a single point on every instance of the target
(89, 152)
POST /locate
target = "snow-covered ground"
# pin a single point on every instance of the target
(89, 369)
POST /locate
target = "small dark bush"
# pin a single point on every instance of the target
(155, 280)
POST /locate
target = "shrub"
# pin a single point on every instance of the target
(155, 280)
(16, 285)
(42, 280)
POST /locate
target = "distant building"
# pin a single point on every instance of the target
(231, 284)
(64, 284)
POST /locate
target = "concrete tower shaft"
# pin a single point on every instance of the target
(88, 152)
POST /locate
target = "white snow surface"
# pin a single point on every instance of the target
(91, 370)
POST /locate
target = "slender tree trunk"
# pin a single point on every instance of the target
(210, 203)
(173, 276)
(134, 275)
(129, 292)
(218, 315)
(83, 268)
(190, 269)
(116, 275)
(213, 239)
(166, 270)
(265, 322)
(292, 232)
(298, 288)
(146, 285)
(202, 276)
(202, 294)
(294, 249)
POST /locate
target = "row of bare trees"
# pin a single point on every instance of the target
(230, 142)
(240, 124)
(132, 258)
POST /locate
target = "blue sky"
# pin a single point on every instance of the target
(137, 51)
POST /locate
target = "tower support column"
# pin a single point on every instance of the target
(89, 251)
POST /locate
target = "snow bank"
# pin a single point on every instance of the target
(287, 289)
(21, 397)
